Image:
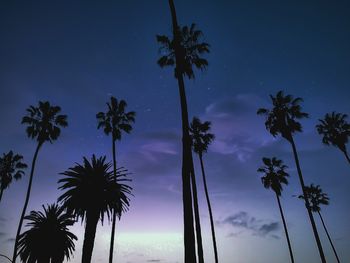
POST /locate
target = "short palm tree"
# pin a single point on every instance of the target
(184, 52)
(201, 138)
(274, 176)
(43, 124)
(91, 191)
(282, 119)
(317, 198)
(335, 131)
(115, 121)
(11, 167)
(48, 239)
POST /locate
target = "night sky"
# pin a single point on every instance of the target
(77, 55)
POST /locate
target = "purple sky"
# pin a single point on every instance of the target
(78, 55)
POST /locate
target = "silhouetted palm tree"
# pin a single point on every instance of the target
(115, 121)
(11, 167)
(316, 198)
(335, 131)
(274, 176)
(92, 192)
(183, 51)
(201, 138)
(43, 124)
(48, 239)
(282, 119)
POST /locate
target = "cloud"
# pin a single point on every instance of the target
(245, 222)
(10, 240)
(268, 228)
(155, 153)
(239, 220)
(238, 129)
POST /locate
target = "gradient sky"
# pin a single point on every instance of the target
(77, 55)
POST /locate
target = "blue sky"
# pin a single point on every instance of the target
(77, 55)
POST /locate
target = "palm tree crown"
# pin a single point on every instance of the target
(275, 174)
(316, 197)
(282, 118)
(44, 123)
(116, 120)
(48, 239)
(335, 130)
(201, 138)
(11, 167)
(91, 186)
(188, 49)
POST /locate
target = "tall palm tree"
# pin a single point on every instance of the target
(282, 119)
(274, 176)
(48, 239)
(115, 121)
(184, 51)
(11, 167)
(335, 131)
(91, 192)
(316, 198)
(201, 138)
(43, 124)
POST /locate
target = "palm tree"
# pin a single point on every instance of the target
(11, 167)
(43, 124)
(201, 138)
(316, 198)
(282, 119)
(91, 192)
(48, 239)
(114, 122)
(335, 131)
(274, 176)
(183, 51)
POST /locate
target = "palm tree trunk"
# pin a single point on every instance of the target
(307, 203)
(189, 238)
(329, 237)
(346, 155)
(196, 214)
(285, 229)
(25, 202)
(1, 192)
(89, 236)
(210, 211)
(114, 212)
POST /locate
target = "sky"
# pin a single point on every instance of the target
(76, 54)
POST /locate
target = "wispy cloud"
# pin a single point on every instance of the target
(238, 129)
(10, 240)
(257, 227)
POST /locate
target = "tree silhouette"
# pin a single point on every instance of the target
(115, 121)
(335, 131)
(11, 167)
(274, 176)
(316, 198)
(91, 192)
(282, 119)
(201, 138)
(183, 51)
(43, 124)
(48, 239)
